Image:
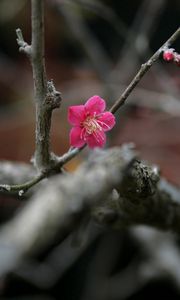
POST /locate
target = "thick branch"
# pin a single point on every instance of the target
(63, 203)
(43, 117)
(144, 198)
(46, 96)
(60, 205)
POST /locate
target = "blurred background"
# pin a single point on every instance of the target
(95, 47)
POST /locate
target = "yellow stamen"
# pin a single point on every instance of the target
(91, 125)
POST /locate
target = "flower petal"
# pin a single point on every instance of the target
(95, 104)
(106, 120)
(97, 139)
(76, 114)
(76, 137)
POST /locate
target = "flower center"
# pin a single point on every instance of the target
(91, 125)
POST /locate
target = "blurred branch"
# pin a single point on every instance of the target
(101, 267)
(136, 46)
(105, 12)
(72, 14)
(144, 198)
(14, 173)
(162, 254)
(136, 39)
(62, 204)
(47, 273)
(21, 188)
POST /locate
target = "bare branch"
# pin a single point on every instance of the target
(43, 117)
(144, 68)
(21, 188)
(46, 96)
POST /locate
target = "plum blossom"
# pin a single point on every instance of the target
(168, 54)
(90, 122)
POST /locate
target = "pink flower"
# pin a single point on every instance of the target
(168, 54)
(90, 123)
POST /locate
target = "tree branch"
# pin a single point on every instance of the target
(12, 186)
(45, 163)
(144, 68)
(144, 198)
(43, 117)
(62, 204)
(46, 96)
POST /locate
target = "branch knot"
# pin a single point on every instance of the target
(53, 97)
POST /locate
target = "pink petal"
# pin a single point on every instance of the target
(106, 120)
(95, 104)
(76, 114)
(96, 140)
(76, 137)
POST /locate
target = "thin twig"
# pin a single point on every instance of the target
(143, 70)
(24, 187)
(23, 46)
(21, 188)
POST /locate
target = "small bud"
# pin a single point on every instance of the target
(177, 59)
(168, 54)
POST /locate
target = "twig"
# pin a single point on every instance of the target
(23, 46)
(144, 68)
(24, 187)
(21, 188)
